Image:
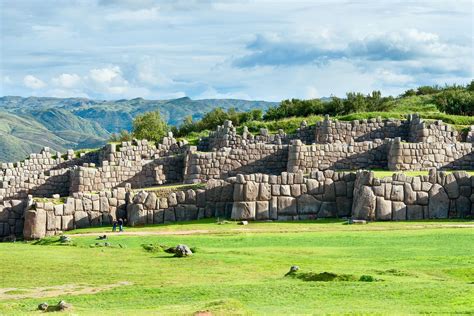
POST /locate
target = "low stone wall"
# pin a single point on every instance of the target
(48, 217)
(438, 195)
(11, 217)
(192, 204)
(291, 196)
(354, 156)
(330, 131)
(41, 174)
(423, 156)
(253, 158)
(437, 132)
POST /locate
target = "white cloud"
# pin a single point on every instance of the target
(142, 15)
(67, 81)
(32, 82)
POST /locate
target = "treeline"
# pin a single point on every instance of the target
(450, 99)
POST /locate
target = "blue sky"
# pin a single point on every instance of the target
(265, 50)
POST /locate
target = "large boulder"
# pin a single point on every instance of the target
(243, 210)
(438, 206)
(307, 204)
(363, 206)
(136, 214)
(383, 209)
(182, 251)
(35, 224)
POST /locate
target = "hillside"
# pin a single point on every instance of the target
(28, 124)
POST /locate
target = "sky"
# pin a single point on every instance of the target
(255, 50)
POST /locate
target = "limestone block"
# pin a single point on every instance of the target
(364, 203)
(410, 195)
(285, 190)
(399, 211)
(169, 215)
(158, 216)
(140, 197)
(104, 204)
(190, 196)
(238, 194)
(307, 204)
(397, 193)
(243, 211)
(463, 207)
(344, 206)
(150, 202)
(452, 187)
(69, 207)
(438, 206)
(67, 222)
(59, 209)
(35, 224)
(274, 208)
(81, 219)
(422, 197)
(265, 192)
(383, 209)
(262, 210)
(136, 215)
(414, 212)
(186, 212)
(53, 221)
(180, 197)
(328, 209)
(251, 191)
(172, 200)
(286, 205)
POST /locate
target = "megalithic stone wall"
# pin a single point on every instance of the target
(423, 156)
(288, 196)
(338, 156)
(437, 195)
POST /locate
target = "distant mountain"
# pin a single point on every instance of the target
(28, 124)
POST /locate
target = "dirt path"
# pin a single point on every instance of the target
(53, 291)
(367, 227)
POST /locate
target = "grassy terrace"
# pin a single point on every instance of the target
(418, 267)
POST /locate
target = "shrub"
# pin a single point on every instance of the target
(455, 102)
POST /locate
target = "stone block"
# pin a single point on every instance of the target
(251, 191)
(397, 193)
(150, 202)
(34, 226)
(262, 210)
(265, 192)
(438, 206)
(243, 211)
(136, 215)
(81, 219)
(307, 204)
(286, 205)
(169, 216)
(399, 211)
(383, 209)
(414, 212)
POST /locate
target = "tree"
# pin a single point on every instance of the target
(149, 126)
(455, 102)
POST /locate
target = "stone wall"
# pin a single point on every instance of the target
(41, 174)
(337, 156)
(49, 217)
(436, 132)
(291, 196)
(330, 131)
(11, 217)
(437, 195)
(422, 156)
(253, 158)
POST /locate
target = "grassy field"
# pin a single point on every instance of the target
(417, 267)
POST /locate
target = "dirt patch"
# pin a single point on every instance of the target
(52, 291)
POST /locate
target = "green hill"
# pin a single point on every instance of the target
(28, 124)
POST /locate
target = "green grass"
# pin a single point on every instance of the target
(416, 267)
(386, 173)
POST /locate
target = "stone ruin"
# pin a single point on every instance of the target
(318, 172)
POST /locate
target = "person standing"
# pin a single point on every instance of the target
(120, 223)
(114, 226)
